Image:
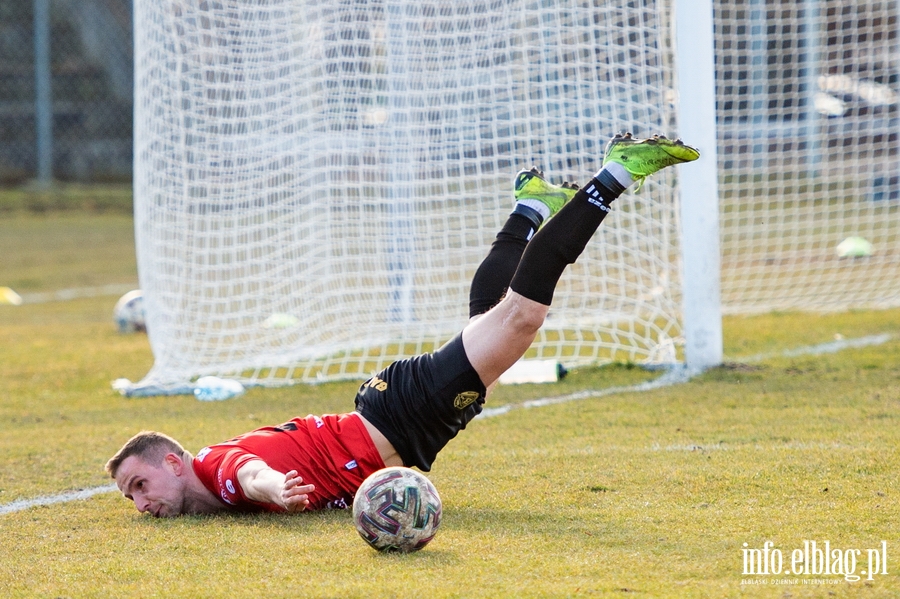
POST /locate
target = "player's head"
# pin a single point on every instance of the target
(149, 470)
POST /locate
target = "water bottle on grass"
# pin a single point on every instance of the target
(212, 388)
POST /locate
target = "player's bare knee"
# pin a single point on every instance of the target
(527, 316)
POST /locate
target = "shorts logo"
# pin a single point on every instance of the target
(465, 399)
(376, 383)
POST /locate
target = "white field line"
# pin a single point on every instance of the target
(76, 292)
(674, 376)
(823, 348)
(24, 504)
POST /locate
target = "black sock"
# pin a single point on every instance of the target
(563, 238)
(492, 278)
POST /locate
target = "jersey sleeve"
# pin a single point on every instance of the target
(217, 468)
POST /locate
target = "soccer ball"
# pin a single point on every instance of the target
(129, 312)
(397, 509)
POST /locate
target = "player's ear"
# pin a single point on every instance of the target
(175, 462)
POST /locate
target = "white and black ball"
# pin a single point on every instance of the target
(397, 509)
(128, 313)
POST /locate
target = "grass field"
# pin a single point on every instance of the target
(650, 494)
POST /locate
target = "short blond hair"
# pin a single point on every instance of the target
(149, 446)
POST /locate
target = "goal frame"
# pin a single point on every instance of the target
(699, 189)
(656, 203)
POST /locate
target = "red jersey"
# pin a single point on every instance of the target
(333, 452)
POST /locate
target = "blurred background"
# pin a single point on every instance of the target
(66, 86)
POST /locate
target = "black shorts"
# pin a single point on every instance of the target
(421, 403)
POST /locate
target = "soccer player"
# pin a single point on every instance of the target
(408, 412)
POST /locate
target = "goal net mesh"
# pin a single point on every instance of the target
(808, 146)
(317, 181)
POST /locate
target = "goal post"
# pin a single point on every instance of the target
(699, 185)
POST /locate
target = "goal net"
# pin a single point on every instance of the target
(316, 181)
(808, 133)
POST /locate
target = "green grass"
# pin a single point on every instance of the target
(67, 197)
(54, 251)
(631, 495)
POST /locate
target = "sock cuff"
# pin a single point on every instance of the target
(617, 172)
(608, 179)
(533, 215)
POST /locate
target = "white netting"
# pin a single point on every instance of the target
(316, 181)
(808, 147)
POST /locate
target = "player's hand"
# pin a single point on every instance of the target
(294, 494)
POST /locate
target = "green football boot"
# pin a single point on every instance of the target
(531, 185)
(643, 157)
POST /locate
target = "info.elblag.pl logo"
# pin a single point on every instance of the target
(827, 564)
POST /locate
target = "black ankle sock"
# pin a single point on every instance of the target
(563, 239)
(492, 278)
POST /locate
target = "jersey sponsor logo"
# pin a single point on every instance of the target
(230, 486)
(376, 383)
(203, 453)
(319, 422)
(351, 465)
(465, 399)
(223, 492)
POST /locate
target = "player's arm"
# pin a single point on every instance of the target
(261, 483)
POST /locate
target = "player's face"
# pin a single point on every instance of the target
(154, 489)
